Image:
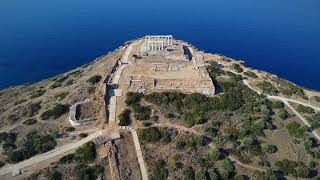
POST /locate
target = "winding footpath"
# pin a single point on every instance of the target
(287, 101)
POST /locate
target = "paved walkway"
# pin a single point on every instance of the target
(50, 154)
(142, 165)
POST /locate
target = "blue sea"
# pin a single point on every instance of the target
(40, 39)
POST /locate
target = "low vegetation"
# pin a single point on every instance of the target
(30, 122)
(61, 96)
(124, 118)
(268, 88)
(296, 130)
(33, 144)
(237, 68)
(250, 74)
(305, 109)
(37, 93)
(94, 79)
(54, 113)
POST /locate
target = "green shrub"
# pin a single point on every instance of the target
(283, 114)
(33, 144)
(305, 109)
(37, 93)
(62, 79)
(294, 168)
(55, 85)
(214, 70)
(54, 113)
(227, 165)
(159, 170)
(296, 130)
(83, 135)
(268, 88)
(30, 122)
(151, 134)
(69, 129)
(86, 153)
(317, 98)
(61, 96)
(250, 74)
(124, 118)
(94, 79)
(314, 120)
(1, 164)
(34, 108)
(180, 145)
(133, 98)
(85, 172)
(189, 173)
(141, 112)
(278, 105)
(19, 101)
(67, 159)
(214, 154)
(237, 68)
(268, 148)
(12, 119)
(8, 137)
(55, 175)
(289, 88)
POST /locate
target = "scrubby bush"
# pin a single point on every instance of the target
(278, 105)
(55, 175)
(227, 169)
(86, 153)
(317, 98)
(189, 173)
(180, 145)
(305, 109)
(34, 108)
(214, 154)
(83, 135)
(30, 122)
(124, 118)
(67, 159)
(159, 170)
(268, 88)
(151, 134)
(8, 137)
(1, 164)
(296, 130)
(37, 93)
(33, 144)
(141, 112)
(283, 114)
(250, 74)
(268, 148)
(133, 98)
(214, 70)
(294, 168)
(61, 96)
(237, 68)
(69, 129)
(54, 113)
(85, 172)
(94, 79)
(314, 120)
(12, 118)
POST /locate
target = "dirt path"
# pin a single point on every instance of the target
(286, 102)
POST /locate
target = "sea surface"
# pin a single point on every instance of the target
(40, 39)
